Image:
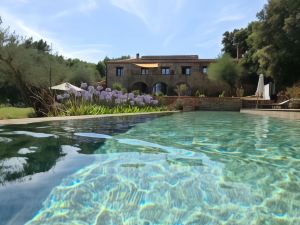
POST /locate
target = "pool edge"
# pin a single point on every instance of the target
(48, 119)
(279, 113)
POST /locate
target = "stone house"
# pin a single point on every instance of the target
(154, 74)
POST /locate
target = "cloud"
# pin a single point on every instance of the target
(87, 6)
(134, 7)
(168, 39)
(87, 52)
(83, 7)
(230, 13)
(155, 14)
(230, 18)
(61, 14)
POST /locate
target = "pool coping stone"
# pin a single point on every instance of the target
(62, 118)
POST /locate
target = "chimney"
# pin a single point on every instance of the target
(137, 55)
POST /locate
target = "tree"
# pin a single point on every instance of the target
(40, 45)
(276, 37)
(226, 70)
(25, 68)
(235, 41)
(101, 68)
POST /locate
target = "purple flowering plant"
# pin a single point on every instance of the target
(110, 98)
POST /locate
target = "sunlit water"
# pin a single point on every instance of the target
(186, 168)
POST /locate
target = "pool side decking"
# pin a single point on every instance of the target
(47, 119)
(292, 114)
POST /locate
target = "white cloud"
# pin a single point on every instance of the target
(134, 7)
(155, 14)
(83, 7)
(168, 39)
(230, 13)
(88, 52)
(87, 5)
(61, 14)
(229, 18)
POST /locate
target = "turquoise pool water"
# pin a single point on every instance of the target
(186, 168)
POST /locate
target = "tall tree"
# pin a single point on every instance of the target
(278, 40)
(235, 42)
(226, 70)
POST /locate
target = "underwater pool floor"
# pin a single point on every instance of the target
(186, 168)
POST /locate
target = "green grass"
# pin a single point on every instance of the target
(15, 113)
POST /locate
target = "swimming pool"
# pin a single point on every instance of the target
(184, 168)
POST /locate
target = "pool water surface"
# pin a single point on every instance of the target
(184, 168)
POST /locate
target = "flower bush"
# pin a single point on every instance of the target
(92, 101)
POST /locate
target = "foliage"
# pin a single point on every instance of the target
(159, 94)
(16, 113)
(277, 38)
(240, 92)
(94, 109)
(199, 94)
(26, 66)
(181, 89)
(178, 105)
(136, 92)
(293, 92)
(225, 69)
(101, 68)
(117, 86)
(222, 95)
(94, 101)
(270, 45)
(235, 40)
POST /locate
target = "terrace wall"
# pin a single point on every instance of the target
(203, 103)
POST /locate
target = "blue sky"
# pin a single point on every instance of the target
(92, 29)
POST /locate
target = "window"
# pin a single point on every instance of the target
(204, 69)
(144, 71)
(186, 70)
(165, 70)
(119, 71)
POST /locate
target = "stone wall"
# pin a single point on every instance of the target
(132, 76)
(203, 103)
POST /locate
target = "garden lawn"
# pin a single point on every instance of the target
(15, 113)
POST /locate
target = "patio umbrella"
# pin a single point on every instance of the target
(260, 86)
(66, 87)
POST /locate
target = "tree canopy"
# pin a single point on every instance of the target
(26, 64)
(226, 70)
(270, 45)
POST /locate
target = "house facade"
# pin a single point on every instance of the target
(158, 74)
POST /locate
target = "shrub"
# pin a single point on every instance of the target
(181, 89)
(93, 101)
(136, 92)
(159, 94)
(178, 105)
(199, 94)
(222, 94)
(293, 92)
(117, 86)
(226, 70)
(240, 92)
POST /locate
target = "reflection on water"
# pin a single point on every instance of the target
(35, 157)
(191, 168)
